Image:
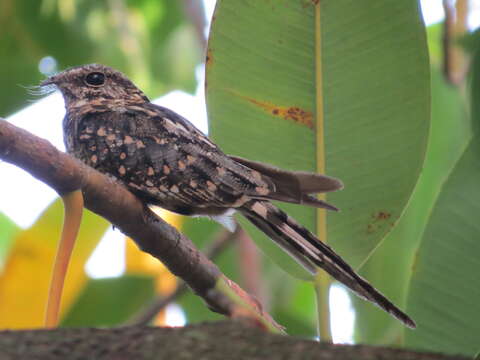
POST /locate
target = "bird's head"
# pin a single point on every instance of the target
(94, 82)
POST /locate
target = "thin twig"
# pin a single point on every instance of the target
(455, 60)
(194, 11)
(251, 267)
(146, 315)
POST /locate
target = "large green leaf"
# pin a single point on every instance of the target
(444, 294)
(263, 95)
(149, 39)
(390, 268)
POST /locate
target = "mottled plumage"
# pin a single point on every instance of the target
(162, 158)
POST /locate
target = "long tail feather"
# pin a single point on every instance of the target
(310, 252)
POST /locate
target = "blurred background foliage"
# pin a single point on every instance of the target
(427, 264)
(155, 42)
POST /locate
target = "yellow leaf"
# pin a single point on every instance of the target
(25, 279)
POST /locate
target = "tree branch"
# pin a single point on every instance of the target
(109, 199)
(221, 340)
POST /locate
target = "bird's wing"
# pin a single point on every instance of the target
(185, 171)
(235, 178)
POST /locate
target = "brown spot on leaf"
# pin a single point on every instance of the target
(308, 3)
(291, 113)
(209, 58)
(382, 215)
(298, 115)
(378, 221)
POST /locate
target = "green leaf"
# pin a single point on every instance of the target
(445, 288)
(435, 44)
(109, 302)
(262, 96)
(8, 230)
(390, 267)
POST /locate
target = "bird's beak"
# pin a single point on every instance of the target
(49, 81)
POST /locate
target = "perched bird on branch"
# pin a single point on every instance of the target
(163, 159)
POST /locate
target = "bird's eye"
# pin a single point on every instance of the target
(95, 79)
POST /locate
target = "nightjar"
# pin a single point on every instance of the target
(164, 160)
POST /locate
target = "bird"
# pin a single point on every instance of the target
(162, 158)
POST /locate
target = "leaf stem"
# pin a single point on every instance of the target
(322, 281)
(73, 205)
(322, 290)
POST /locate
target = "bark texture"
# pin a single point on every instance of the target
(230, 340)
